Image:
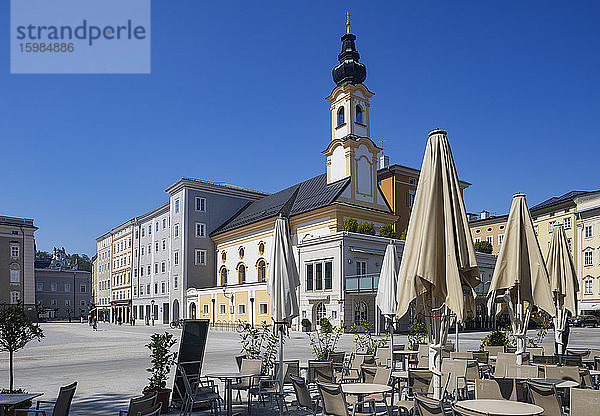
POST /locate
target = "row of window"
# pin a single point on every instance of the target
(120, 294)
(261, 270)
(263, 309)
(40, 287)
(588, 286)
(319, 275)
(122, 245)
(341, 116)
(164, 288)
(490, 239)
(121, 279)
(53, 302)
(588, 257)
(122, 261)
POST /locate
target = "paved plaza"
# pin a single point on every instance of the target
(110, 364)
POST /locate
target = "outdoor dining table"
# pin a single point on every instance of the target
(228, 379)
(405, 354)
(11, 399)
(494, 407)
(360, 390)
(558, 383)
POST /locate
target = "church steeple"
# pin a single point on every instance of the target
(351, 152)
(349, 70)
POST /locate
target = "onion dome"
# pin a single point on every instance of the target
(349, 71)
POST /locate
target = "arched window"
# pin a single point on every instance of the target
(261, 268)
(360, 312)
(340, 116)
(359, 114)
(241, 252)
(241, 273)
(320, 312)
(223, 276)
(192, 310)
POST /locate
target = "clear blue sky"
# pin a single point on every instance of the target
(237, 94)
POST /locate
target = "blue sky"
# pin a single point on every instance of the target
(237, 94)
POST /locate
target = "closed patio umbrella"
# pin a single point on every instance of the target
(386, 291)
(439, 258)
(520, 278)
(282, 282)
(563, 283)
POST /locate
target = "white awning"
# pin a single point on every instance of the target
(589, 306)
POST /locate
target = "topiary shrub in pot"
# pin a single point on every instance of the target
(162, 359)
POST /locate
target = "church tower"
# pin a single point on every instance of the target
(351, 151)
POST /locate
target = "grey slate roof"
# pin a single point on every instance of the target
(303, 197)
(555, 200)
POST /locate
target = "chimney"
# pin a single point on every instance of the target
(384, 161)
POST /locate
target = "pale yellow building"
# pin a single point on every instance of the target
(587, 235)
(121, 271)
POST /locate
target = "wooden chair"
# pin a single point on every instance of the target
(461, 355)
(139, 404)
(584, 402)
(563, 373)
(494, 349)
(62, 404)
(303, 397)
(497, 389)
(427, 406)
(454, 377)
(154, 411)
(200, 391)
(545, 396)
(320, 371)
(334, 402)
(252, 367)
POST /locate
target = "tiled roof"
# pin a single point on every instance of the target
(555, 200)
(303, 197)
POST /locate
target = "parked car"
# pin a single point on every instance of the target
(585, 320)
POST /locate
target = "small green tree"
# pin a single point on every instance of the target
(162, 360)
(366, 228)
(483, 247)
(324, 342)
(260, 344)
(363, 337)
(403, 234)
(350, 225)
(16, 330)
(387, 230)
(417, 334)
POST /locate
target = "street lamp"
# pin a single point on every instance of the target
(152, 303)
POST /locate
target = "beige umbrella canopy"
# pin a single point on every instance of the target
(438, 258)
(520, 278)
(563, 283)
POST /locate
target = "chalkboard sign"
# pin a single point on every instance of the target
(191, 354)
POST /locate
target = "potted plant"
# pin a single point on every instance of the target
(305, 325)
(162, 359)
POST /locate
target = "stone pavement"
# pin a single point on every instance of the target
(110, 364)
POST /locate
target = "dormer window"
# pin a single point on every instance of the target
(340, 116)
(359, 115)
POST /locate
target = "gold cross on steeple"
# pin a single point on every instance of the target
(348, 21)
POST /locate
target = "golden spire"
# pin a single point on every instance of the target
(347, 21)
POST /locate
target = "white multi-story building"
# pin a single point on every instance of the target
(588, 252)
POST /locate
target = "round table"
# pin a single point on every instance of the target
(500, 407)
(228, 378)
(360, 390)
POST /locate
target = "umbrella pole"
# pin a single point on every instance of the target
(391, 327)
(456, 328)
(280, 401)
(520, 340)
(435, 362)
